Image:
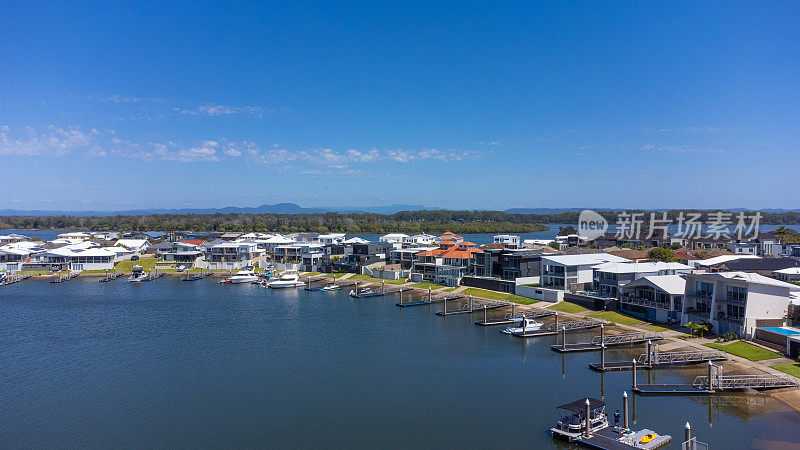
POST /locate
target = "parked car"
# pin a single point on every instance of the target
(135, 258)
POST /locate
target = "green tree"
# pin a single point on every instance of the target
(661, 254)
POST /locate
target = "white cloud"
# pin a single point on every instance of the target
(53, 141)
(222, 110)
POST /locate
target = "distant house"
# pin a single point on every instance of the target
(448, 236)
(736, 302)
(330, 238)
(393, 238)
(230, 236)
(419, 240)
(764, 266)
(657, 298)
(75, 235)
(507, 240)
(743, 248)
(790, 274)
(404, 257)
(77, 258)
(137, 245)
(12, 238)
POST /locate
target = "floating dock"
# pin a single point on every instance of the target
(715, 382)
(14, 278)
(611, 438)
(616, 340)
(653, 359)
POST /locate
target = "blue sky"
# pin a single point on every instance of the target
(478, 105)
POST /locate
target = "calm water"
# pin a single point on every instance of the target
(187, 364)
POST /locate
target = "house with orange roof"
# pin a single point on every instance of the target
(444, 265)
(448, 236)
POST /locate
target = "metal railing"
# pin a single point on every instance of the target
(683, 357)
(645, 302)
(733, 382)
(576, 324)
(627, 337)
(694, 444)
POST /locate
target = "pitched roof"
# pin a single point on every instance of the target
(749, 278)
(193, 241)
(671, 284)
(584, 260)
(747, 264)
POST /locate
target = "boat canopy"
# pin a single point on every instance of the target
(579, 406)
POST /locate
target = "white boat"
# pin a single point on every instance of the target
(138, 275)
(572, 423)
(523, 325)
(242, 276)
(290, 278)
(331, 287)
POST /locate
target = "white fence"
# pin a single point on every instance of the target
(539, 293)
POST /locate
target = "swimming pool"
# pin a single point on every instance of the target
(782, 330)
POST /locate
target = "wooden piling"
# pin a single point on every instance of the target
(625, 410)
(588, 419)
(633, 368)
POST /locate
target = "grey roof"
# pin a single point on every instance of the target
(746, 264)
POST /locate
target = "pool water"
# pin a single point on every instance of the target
(782, 330)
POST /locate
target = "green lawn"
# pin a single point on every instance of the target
(126, 265)
(613, 316)
(311, 274)
(656, 328)
(364, 277)
(449, 289)
(745, 350)
(494, 295)
(790, 368)
(426, 285)
(568, 307)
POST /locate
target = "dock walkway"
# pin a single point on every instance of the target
(661, 359)
(616, 340)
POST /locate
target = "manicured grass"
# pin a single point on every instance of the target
(35, 272)
(426, 285)
(656, 328)
(790, 368)
(126, 265)
(449, 289)
(494, 295)
(311, 274)
(568, 307)
(332, 275)
(745, 350)
(533, 285)
(613, 316)
(370, 279)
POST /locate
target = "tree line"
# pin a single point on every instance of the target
(404, 221)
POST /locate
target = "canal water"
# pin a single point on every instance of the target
(198, 364)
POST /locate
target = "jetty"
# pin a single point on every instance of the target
(716, 382)
(472, 306)
(444, 298)
(11, 278)
(534, 313)
(602, 341)
(655, 359)
(65, 277)
(111, 276)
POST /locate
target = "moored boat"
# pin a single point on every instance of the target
(288, 279)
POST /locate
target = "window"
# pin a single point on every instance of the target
(736, 294)
(704, 289)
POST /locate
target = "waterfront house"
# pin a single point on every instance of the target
(736, 302)
(609, 277)
(568, 272)
(230, 255)
(655, 298)
(445, 265)
(507, 264)
(12, 258)
(743, 248)
(271, 243)
(12, 238)
(571, 240)
(77, 258)
(296, 252)
(394, 238)
(507, 240)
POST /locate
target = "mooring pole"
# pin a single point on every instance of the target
(625, 410)
(687, 432)
(445, 303)
(563, 338)
(602, 357)
(383, 286)
(710, 377)
(429, 295)
(401, 296)
(556, 321)
(634, 373)
(484, 315)
(602, 335)
(588, 419)
(523, 326)
(470, 303)
(513, 310)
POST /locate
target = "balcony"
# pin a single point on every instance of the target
(644, 302)
(697, 316)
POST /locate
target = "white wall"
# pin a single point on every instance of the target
(537, 293)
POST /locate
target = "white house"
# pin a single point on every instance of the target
(609, 277)
(507, 240)
(743, 248)
(77, 258)
(230, 255)
(275, 241)
(79, 235)
(393, 238)
(657, 298)
(563, 271)
(705, 263)
(137, 245)
(330, 238)
(789, 274)
(418, 240)
(736, 301)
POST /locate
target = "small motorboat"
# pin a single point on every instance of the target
(288, 279)
(572, 423)
(364, 293)
(242, 276)
(138, 275)
(331, 287)
(523, 325)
